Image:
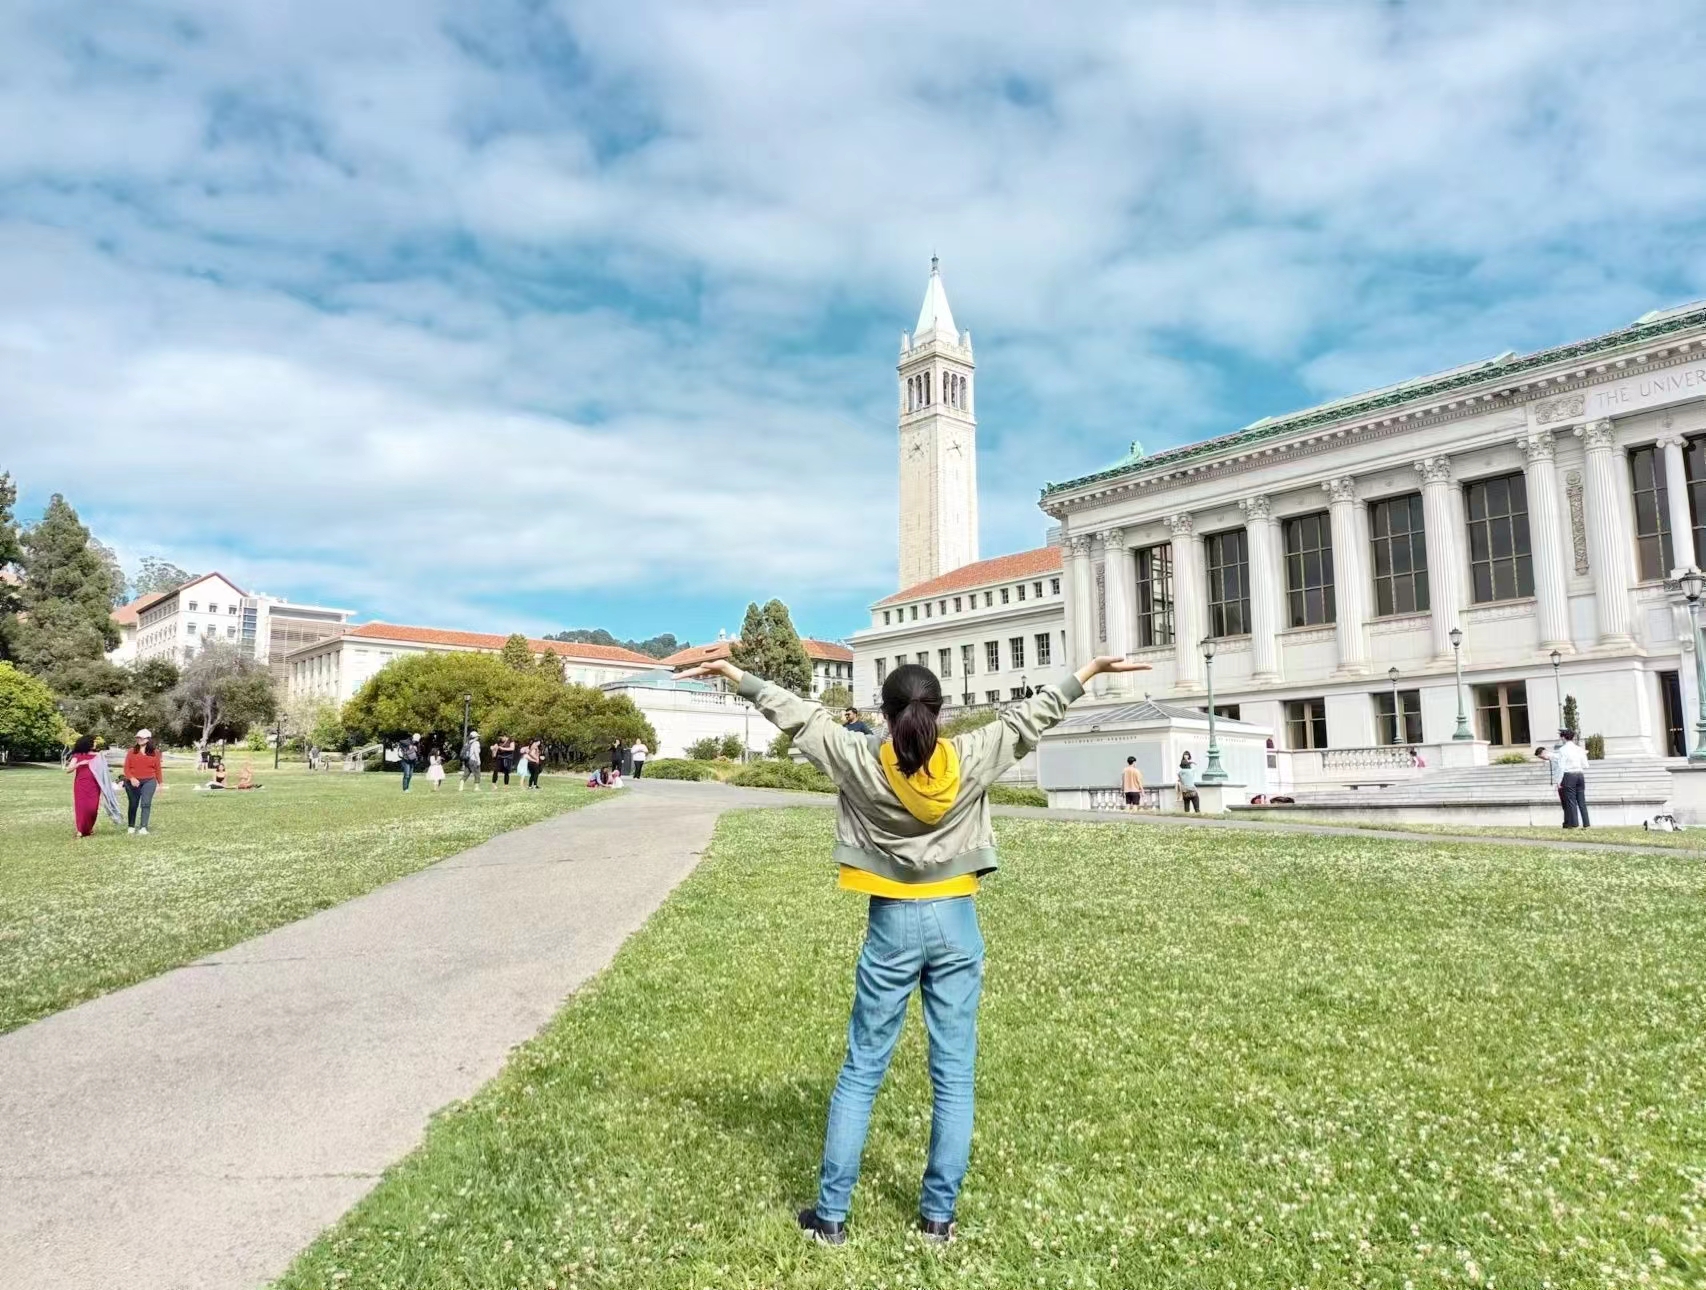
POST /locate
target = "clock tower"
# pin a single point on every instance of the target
(938, 443)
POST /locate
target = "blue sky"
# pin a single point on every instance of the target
(536, 314)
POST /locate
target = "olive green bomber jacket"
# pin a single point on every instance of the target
(873, 831)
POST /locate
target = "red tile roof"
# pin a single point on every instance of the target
(1002, 568)
(827, 651)
(490, 641)
(128, 615)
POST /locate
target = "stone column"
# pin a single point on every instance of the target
(1676, 493)
(1069, 602)
(1445, 561)
(1266, 588)
(1121, 574)
(1608, 536)
(1190, 599)
(1083, 604)
(1546, 534)
(1350, 590)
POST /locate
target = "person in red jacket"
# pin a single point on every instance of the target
(143, 774)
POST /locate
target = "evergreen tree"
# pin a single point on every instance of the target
(66, 627)
(11, 556)
(770, 647)
(1572, 717)
(516, 653)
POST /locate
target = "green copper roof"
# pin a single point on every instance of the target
(1650, 326)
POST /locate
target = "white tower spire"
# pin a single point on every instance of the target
(938, 442)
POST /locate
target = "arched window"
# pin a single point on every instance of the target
(927, 388)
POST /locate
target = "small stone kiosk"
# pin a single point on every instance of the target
(1079, 761)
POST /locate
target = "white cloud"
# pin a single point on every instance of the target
(607, 296)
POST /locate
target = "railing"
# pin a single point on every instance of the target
(1381, 757)
(1112, 799)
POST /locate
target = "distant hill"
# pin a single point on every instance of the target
(661, 646)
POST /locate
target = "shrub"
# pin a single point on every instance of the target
(1512, 759)
(255, 740)
(959, 725)
(732, 747)
(1596, 747)
(706, 749)
(797, 776)
(781, 747)
(1015, 795)
(678, 768)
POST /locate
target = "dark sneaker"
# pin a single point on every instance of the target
(821, 1230)
(936, 1231)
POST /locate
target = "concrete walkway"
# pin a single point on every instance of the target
(199, 1129)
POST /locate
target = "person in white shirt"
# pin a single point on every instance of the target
(1572, 782)
(639, 752)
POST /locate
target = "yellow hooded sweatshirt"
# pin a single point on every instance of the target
(928, 794)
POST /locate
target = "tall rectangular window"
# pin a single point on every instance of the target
(1410, 705)
(1016, 652)
(944, 663)
(992, 696)
(1306, 723)
(882, 669)
(1398, 540)
(1043, 652)
(1501, 566)
(1054, 586)
(1652, 513)
(1155, 595)
(992, 656)
(1228, 583)
(1309, 570)
(922, 658)
(1694, 470)
(1021, 590)
(1501, 713)
(966, 654)
(988, 599)
(1006, 595)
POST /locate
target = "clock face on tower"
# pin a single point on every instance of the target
(915, 448)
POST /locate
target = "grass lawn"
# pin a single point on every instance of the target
(79, 918)
(1621, 834)
(1208, 1058)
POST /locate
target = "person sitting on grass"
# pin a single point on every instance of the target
(246, 778)
(913, 833)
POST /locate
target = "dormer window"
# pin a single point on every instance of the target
(1005, 598)
(1021, 591)
(885, 618)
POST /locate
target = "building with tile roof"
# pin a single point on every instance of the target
(335, 668)
(832, 662)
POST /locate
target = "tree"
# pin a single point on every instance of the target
(11, 554)
(770, 647)
(781, 747)
(732, 747)
(30, 724)
(837, 698)
(517, 654)
(67, 597)
(660, 646)
(423, 693)
(222, 692)
(156, 574)
(117, 583)
(707, 749)
(143, 702)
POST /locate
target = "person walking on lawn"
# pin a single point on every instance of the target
(913, 833)
(408, 756)
(144, 771)
(471, 762)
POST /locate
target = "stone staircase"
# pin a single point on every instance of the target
(1627, 790)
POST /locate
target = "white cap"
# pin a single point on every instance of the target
(143, 736)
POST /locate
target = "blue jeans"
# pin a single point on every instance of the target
(936, 945)
(408, 774)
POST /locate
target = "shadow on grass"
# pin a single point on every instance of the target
(783, 1124)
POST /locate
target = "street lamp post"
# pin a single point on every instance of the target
(1558, 685)
(1693, 585)
(277, 740)
(467, 707)
(1462, 731)
(1397, 713)
(1213, 773)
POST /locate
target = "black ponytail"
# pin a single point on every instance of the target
(912, 697)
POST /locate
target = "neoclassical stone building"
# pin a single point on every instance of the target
(1538, 504)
